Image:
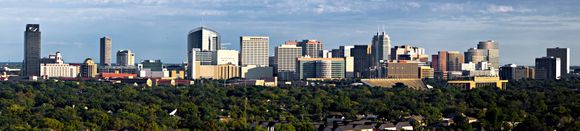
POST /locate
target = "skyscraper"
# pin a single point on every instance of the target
(286, 57)
(381, 48)
(564, 55)
(203, 39)
(31, 64)
(105, 52)
(341, 52)
(475, 55)
(362, 59)
(254, 50)
(311, 48)
(491, 52)
(548, 68)
(125, 58)
(454, 60)
(408, 52)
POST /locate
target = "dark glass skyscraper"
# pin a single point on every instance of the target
(105, 51)
(31, 64)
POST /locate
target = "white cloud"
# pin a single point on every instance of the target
(449, 7)
(500, 9)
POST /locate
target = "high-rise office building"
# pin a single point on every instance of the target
(408, 52)
(311, 48)
(322, 68)
(381, 48)
(362, 59)
(454, 60)
(89, 69)
(125, 58)
(475, 55)
(491, 51)
(286, 56)
(341, 52)
(254, 50)
(548, 68)
(564, 55)
(204, 40)
(31, 64)
(439, 61)
(105, 51)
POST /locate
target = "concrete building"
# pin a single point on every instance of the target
(32, 48)
(381, 48)
(564, 55)
(513, 72)
(323, 68)
(254, 50)
(125, 58)
(426, 72)
(225, 71)
(362, 59)
(311, 48)
(326, 54)
(408, 52)
(105, 52)
(454, 60)
(152, 69)
(402, 70)
(202, 39)
(491, 52)
(286, 56)
(548, 68)
(89, 69)
(342, 52)
(256, 72)
(221, 57)
(475, 55)
(469, 83)
(349, 67)
(54, 66)
(118, 69)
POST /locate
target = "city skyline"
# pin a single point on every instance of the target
(78, 41)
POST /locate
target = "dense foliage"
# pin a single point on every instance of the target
(535, 105)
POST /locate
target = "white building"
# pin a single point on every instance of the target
(256, 72)
(54, 66)
(286, 55)
(221, 57)
(254, 50)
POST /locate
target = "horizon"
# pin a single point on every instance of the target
(74, 27)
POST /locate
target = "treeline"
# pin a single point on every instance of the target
(532, 105)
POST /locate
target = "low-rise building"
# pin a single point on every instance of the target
(325, 68)
(469, 83)
(54, 66)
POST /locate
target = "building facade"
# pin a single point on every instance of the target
(381, 48)
(221, 57)
(286, 56)
(362, 59)
(491, 52)
(548, 68)
(32, 48)
(402, 69)
(54, 66)
(311, 48)
(322, 68)
(513, 72)
(125, 58)
(454, 60)
(564, 55)
(89, 69)
(254, 50)
(105, 51)
(202, 39)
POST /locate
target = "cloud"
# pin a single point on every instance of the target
(502, 9)
(449, 7)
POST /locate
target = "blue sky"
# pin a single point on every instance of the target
(157, 29)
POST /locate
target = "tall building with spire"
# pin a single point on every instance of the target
(381, 47)
(105, 52)
(31, 64)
